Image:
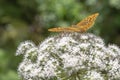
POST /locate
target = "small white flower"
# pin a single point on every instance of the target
(93, 75)
(24, 46)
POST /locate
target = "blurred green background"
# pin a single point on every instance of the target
(22, 20)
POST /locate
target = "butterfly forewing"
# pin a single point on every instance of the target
(88, 22)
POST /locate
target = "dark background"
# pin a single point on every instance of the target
(22, 20)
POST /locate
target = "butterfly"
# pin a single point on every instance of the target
(82, 26)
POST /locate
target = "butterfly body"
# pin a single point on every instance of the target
(82, 26)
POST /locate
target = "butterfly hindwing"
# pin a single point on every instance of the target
(66, 29)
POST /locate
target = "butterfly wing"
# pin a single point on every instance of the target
(82, 26)
(88, 22)
(64, 29)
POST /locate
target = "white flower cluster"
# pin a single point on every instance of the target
(70, 56)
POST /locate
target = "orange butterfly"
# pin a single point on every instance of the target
(82, 26)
